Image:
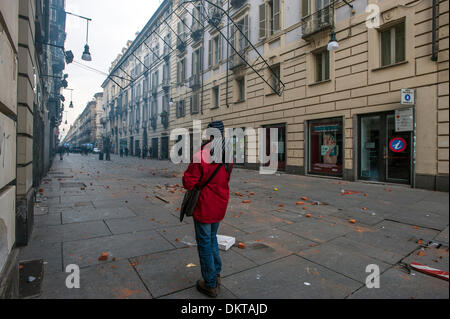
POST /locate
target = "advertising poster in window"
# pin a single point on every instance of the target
(326, 142)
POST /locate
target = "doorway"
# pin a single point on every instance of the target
(281, 145)
(164, 147)
(384, 154)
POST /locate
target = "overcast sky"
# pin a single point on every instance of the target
(114, 22)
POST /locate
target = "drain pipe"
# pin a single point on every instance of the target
(434, 54)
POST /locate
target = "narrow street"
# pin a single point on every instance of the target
(128, 208)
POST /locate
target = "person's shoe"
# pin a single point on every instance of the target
(210, 292)
(219, 281)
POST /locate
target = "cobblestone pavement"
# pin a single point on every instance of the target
(292, 250)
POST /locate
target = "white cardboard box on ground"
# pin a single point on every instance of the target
(225, 242)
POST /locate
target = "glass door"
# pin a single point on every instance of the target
(398, 153)
(384, 153)
(371, 148)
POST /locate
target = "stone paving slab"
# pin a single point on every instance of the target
(47, 220)
(443, 236)
(268, 245)
(79, 216)
(51, 254)
(288, 278)
(377, 252)
(117, 280)
(317, 230)
(134, 224)
(396, 284)
(86, 252)
(408, 232)
(63, 233)
(342, 260)
(167, 272)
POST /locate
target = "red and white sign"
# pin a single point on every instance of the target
(398, 144)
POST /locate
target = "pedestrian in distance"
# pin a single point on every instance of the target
(210, 209)
(121, 152)
(126, 151)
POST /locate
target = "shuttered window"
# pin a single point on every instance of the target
(262, 21)
(276, 16)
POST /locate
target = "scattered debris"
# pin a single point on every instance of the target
(421, 253)
(31, 278)
(191, 265)
(275, 189)
(133, 264)
(307, 283)
(103, 256)
(241, 246)
(308, 215)
(352, 221)
(225, 242)
(347, 192)
(300, 203)
(304, 198)
(246, 201)
(430, 271)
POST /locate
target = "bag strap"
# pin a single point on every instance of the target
(211, 177)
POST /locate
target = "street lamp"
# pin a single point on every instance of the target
(86, 54)
(333, 45)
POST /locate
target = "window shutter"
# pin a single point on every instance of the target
(246, 30)
(210, 53)
(262, 21)
(305, 8)
(220, 48)
(193, 64)
(276, 15)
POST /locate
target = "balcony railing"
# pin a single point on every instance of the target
(236, 61)
(237, 3)
(166, 83)
(194, 81)
(317, 21)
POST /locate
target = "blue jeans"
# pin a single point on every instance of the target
(208, 251)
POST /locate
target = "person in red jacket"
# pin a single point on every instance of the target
(210, 210)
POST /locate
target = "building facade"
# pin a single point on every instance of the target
(87, 128)
(137, 92)
(339, 113)
(31, 77)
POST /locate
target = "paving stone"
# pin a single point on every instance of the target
(377, 252)
(342, 260)
(78, 216)
(86, 252)
(166, 273)
(443, 236)
(47, 220)
(265, 246)
(396, 284)
(63, 233)
(117, 280)
(317, 230)
(288, 278)
(408, 232)
(134, 224)
(49, 253)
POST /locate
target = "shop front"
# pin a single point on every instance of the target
(325, 143)
(385, 146)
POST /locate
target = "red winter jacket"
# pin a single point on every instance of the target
(213, 200)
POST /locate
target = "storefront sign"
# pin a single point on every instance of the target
(404, 120)
(398, 144)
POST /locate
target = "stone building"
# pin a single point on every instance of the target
(338, 113)
(136, 94)
(30, 78)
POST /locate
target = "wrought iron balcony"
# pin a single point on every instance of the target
(236, 61)
(166, 84)
(317, 21)
(181, 43)
(215, 17)
(194, 81)
(237, 3)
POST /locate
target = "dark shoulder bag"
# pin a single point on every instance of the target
(191, 197)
